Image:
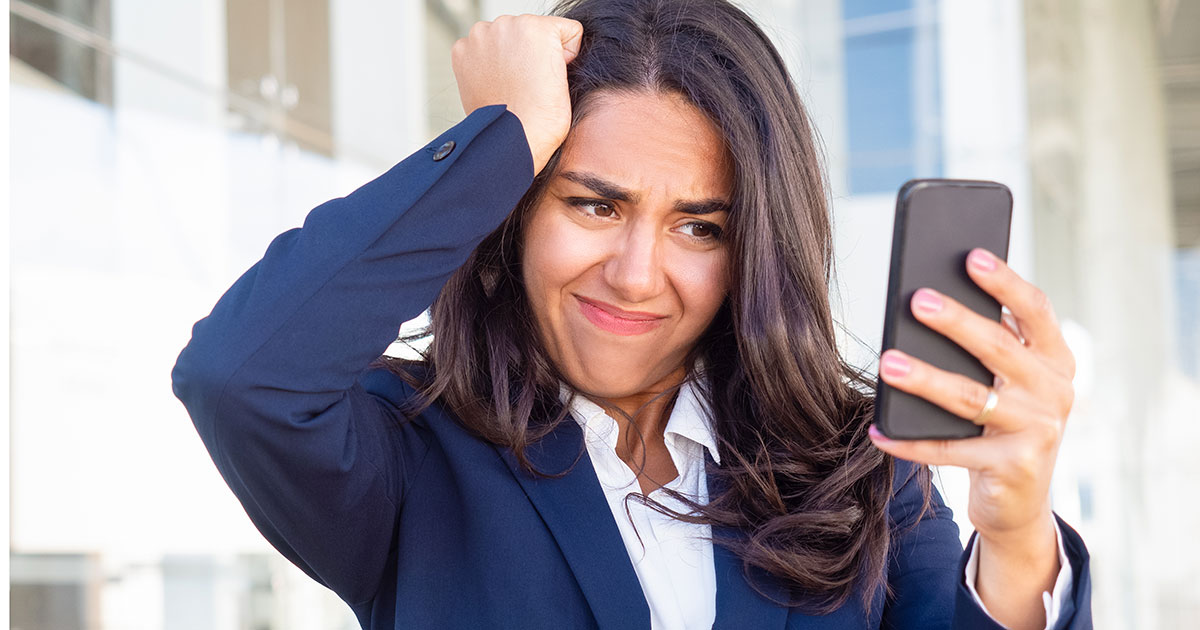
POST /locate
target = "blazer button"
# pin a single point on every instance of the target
(443, 151)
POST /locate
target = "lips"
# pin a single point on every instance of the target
(616, 320)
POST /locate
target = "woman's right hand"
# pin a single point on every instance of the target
(521, 62)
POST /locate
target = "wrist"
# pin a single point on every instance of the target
(1014, 570)
(1029, 541)
(542, 144)
(1020, 561)
(541, 152)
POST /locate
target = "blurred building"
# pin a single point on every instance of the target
(157, 147)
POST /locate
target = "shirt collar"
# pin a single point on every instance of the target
(691, 419)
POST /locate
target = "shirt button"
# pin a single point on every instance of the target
(443, 151)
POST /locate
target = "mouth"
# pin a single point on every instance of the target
(616, 320)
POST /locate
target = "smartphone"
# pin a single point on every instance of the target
(938, 222)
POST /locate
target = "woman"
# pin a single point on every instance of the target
(632, 412)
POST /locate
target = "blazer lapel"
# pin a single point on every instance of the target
(575, 510)
(738, 604)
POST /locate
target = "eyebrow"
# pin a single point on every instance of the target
(609, 190)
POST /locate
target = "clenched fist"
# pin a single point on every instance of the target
(521, 62)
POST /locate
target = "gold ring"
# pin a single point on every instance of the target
(988, 407)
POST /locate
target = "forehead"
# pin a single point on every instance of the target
(652, 143)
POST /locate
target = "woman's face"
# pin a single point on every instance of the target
(624, 262)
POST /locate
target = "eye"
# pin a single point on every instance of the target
(593, 207)
(702, 230)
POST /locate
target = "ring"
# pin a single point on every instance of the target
(988, 406)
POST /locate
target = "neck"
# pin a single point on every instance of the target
(640, 442)
(648, 409)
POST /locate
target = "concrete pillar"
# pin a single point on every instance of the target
(983, 122)
(809, 36)
(377, 69)
(1101, 199)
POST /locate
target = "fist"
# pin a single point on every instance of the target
(521, 62)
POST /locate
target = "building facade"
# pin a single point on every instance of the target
(157, 147)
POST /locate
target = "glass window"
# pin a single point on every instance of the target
(892, 94)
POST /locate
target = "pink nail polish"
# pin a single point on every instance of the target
(981, 260)
(927, 301)
(876, 435)
(894, 365)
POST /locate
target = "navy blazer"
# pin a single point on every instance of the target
(421, 524)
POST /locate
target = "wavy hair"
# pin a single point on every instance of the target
(799, 477)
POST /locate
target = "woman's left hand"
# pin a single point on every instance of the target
(1011, 463)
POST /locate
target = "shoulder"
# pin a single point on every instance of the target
(906, 475)
(397, 384)
(914, 497)
(394, 381)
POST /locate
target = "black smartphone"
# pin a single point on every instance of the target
(938, 222)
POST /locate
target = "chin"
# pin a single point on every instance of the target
(615, 377)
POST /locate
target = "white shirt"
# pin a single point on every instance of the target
(673, 559)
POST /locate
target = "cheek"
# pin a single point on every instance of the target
(702, 285)
(554, 256)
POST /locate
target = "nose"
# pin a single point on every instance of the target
(634, 269)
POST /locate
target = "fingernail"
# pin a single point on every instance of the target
(894, 365)
(928, 301)
(981, 260)
(876, 435)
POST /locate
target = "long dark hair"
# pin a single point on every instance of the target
(798, 476)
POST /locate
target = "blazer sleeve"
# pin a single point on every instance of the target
(271, 376)
(927, 561)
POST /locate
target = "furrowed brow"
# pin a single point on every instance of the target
(707, 206)
(605, 189)
(609, 190)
